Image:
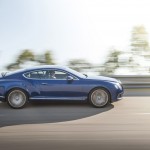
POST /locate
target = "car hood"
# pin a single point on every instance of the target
(102, 78)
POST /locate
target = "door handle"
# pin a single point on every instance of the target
(44, 83)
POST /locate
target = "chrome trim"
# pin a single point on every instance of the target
(2, 96)
(119, 96)
(56, 98)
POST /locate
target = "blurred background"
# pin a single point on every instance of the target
(96, 37)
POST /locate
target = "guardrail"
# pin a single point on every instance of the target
(135, 85)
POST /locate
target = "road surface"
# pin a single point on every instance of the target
(123, 125)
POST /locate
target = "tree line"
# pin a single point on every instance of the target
(28, 56)
(134, 59)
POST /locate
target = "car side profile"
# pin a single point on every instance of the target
(53, 82)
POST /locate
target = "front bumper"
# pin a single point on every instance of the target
(119, 96)
(118, 92)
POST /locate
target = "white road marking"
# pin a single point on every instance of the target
(143, 113)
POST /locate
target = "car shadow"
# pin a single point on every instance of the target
(48, 112)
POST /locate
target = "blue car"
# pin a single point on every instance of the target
(53, 82)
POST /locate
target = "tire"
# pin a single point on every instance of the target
(17, 98)
(99, 97)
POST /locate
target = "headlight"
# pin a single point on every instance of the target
(118, 85)
(119, 81)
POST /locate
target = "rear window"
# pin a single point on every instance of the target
(35, 74)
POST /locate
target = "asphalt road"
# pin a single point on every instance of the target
(124, 125)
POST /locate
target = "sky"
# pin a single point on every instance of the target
(71, 29)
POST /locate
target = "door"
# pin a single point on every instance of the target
(55, 84)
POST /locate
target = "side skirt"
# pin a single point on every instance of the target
(57, 98)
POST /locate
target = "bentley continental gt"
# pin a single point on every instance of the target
(53, 82)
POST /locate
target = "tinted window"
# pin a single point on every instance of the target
(34, 74)
(54, 74)
(47, 74)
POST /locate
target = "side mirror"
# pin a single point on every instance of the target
(69, 78)
(85, 75)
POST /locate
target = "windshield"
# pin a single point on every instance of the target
(75, 73)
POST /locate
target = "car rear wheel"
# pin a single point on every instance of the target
(16, 98)
(99, 97)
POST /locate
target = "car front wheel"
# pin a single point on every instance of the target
(16, 98)
(99, 97)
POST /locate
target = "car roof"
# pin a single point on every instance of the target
(44, 67)
(36, 68)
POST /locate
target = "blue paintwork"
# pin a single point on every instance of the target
(78, 89)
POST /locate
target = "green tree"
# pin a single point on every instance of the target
(48, 58)
(130, 60)
(79, 64)
(139, 49)
(139, 39)
(13, 66)
(26, 55)
(112, 62)
(45, 59)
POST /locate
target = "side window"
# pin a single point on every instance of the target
(35, 74)
(47, 74)
(60, 75)
(41, 74)
(54, 74)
